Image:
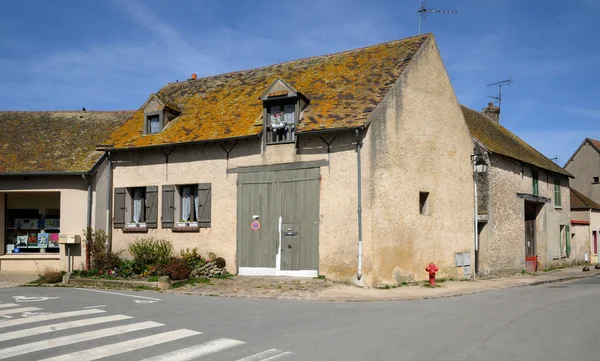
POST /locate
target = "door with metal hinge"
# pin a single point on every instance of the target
(300, 219)
(257, 221)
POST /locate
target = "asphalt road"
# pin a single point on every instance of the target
(552, 322)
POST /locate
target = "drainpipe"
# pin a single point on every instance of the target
(360, 250)
(108, 203)
(475, 220)
(89, 221)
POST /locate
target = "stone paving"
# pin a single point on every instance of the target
(324, 290)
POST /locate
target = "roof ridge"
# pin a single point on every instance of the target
(67, 111)
(426, 35)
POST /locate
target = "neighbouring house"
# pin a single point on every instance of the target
(354, 165)
(585, 218)
(584, 164)
(522, 201)
(52, 185)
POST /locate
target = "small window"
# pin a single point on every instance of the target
(424, 203)
(596, 180)
(281, 125)
(135, 207)
(189, 203)
(534, 176)
(138, 206)
(153, 122)
(186, 207)
(557, 194)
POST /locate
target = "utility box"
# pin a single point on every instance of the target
(69, 239)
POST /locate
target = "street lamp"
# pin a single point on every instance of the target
(480, 166)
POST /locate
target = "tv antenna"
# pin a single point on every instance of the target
(499, 84)
(424, 10)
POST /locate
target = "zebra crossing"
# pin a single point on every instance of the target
(27, 338)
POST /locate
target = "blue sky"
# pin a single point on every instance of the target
(103, 54)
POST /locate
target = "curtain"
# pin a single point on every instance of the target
(154, 125)
(137, 204)
(276, 119)
(289, 110)
(196, 204)
(185, 203)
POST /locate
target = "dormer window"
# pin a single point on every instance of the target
(282, 104)
(281, 124)
(157, 114)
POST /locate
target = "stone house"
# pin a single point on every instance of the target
(584, 164)
(353, 165)
(585, 219)
(522, 201)
(52, 185)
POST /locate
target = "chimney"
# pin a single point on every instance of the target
(194, 76)
(492, 112)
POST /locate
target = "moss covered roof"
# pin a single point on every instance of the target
(60, 141)
(500, 140)
(342, 90)
(579, 201)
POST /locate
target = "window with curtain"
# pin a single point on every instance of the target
(138, 205)
(189, 203)
(282, 123)
(154, 124)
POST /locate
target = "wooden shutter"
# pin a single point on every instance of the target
(168, 208)
(119, 208)
(152, 207)
(568, 246)
(204, 206)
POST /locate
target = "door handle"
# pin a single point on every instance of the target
(290, 234)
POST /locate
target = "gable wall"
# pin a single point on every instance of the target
(585, 165)
(420, 142)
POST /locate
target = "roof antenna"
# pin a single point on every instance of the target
(424, 10)
(500, 84)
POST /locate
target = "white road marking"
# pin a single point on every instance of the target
(7, 305)
(14, 351)
(260, 355)
(193, 352)
(60, 326)
(126, 346)
(54, 316)
(278, 357)
(118, 294)
(143, 301)
(32, 298)
(94, 306)
(18, 310)
(33, 314)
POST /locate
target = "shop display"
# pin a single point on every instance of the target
(52, 223)
(42, 240)
(21, 241)
(53, 240)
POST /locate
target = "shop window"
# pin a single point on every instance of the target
(135, 208)
(33, 222)
(186, 207)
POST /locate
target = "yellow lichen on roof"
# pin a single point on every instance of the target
(500, 140)
(342, 90)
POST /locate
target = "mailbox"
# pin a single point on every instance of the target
(69, 239)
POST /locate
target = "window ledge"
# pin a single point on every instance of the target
(558, 207)
(186, 229)
(135, 228)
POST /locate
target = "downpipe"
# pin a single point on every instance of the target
(359, 210)
(108, 203)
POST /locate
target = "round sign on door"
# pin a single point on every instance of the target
(255, 225)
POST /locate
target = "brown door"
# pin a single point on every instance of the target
(530, 252)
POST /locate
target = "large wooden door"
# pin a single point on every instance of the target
(285, 206)
(300, 219)
(257, 247)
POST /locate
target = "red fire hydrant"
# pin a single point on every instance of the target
(432, 269)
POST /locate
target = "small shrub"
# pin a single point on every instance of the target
(150, 251)
(101, 259)
(153, 279)
(177, 269)
(211, 256)
(220, 262)
(192, 257)
(51, 276)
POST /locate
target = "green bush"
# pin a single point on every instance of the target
(100, 258)
(150, 251)
(177, 269)
(220, 262)
(192, 258)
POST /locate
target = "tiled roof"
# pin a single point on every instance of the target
(579, 201)
(60, 141)
(500, 140)
(594, 142)
(342, 89)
